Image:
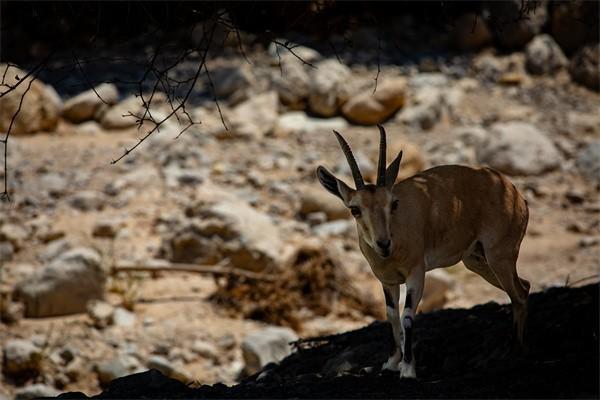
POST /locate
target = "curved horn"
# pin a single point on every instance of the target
(382, 157)
(358, 179)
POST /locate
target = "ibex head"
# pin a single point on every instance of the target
(371, 205)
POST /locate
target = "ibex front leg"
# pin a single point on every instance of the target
(414, 292)
(392, 309)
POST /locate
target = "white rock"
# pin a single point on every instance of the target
(271, 344)
(368, 108)
(334, 228)
(518, 148)
(41, 105)
(253, 118)
(124, 318)
(21, 356)
(101, 313)
(544, 56)
(298, 123)
(205, 349)
(35, 391)
(328, 87)
(65, 285)
(85, 105)
(118, 116)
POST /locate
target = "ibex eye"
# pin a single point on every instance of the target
(394, 205)
(355, 211)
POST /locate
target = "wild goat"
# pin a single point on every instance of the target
(432, 220)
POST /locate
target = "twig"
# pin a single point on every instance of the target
(218, 270)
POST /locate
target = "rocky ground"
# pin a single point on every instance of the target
(460, 354)
(95, 258)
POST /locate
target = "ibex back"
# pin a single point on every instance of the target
(434, 219)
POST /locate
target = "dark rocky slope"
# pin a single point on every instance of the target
(460, 353)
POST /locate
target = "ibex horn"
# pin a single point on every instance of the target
(358, 179)
(382, 157)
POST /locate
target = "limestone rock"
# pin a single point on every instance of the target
(41, 106)
(85, 105)
(298, 123)
(266, 345)
(253, 118)
(35, 391)
(544, 56)
(588, 161)
(328, 87)
(65, 285)
(518, 148)
(370, 108)
(315, 198)
(21, 357)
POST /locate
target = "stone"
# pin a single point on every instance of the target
(87, 200)
(41, 107)
(470, 135)
(85, 105)
(334, 228)
(119, 116)
(438, 283)
(124, 318)
(35, 391)
(267, 345)
(368, 108)
(106, 228)
(230, 79)
(314, 198)
(516, 31)
(328, 87)
(7, 250)
(518, 148)
(101, 313)
(279, 53)
(253, 118)
(297, 123)
(426, 111)
(161, 364)
(11, 312)
(230, 229)
(116, 367)
(583, 123)
(89, 128)
(14, 234)
(54, 183)
(292, 83)
(471, 32)
(65, 285)
(584, 66)
(588, 161)
(21, 357)
(205, 349)
(543, 56)
(54, 249)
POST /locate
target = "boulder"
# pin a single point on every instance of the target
(370, 108)
(426, 110)
(119, 115)
(226, 228)
(21, 357)
(41, 107)
(35, 391)
(471, 32)
(292, 83)
(328, 87)
(298, 123)
(585, 65)
(314, 198)
(85, 105)
(116, 367)
(544, 56)
(588, 161)
(101, 313)
(518, 148)
(65, 285)
(253, 118)
(267, 345)
(230, 79)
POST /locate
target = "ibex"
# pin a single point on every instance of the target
(434, 219)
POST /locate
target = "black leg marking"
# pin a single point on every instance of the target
(389, 301)
(408, 302)
(408, 341)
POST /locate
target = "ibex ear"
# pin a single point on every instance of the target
(333, 185)
(391, 173)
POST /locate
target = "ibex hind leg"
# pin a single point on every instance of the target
(503, 265)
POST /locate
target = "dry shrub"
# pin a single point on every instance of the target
(311, 281)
